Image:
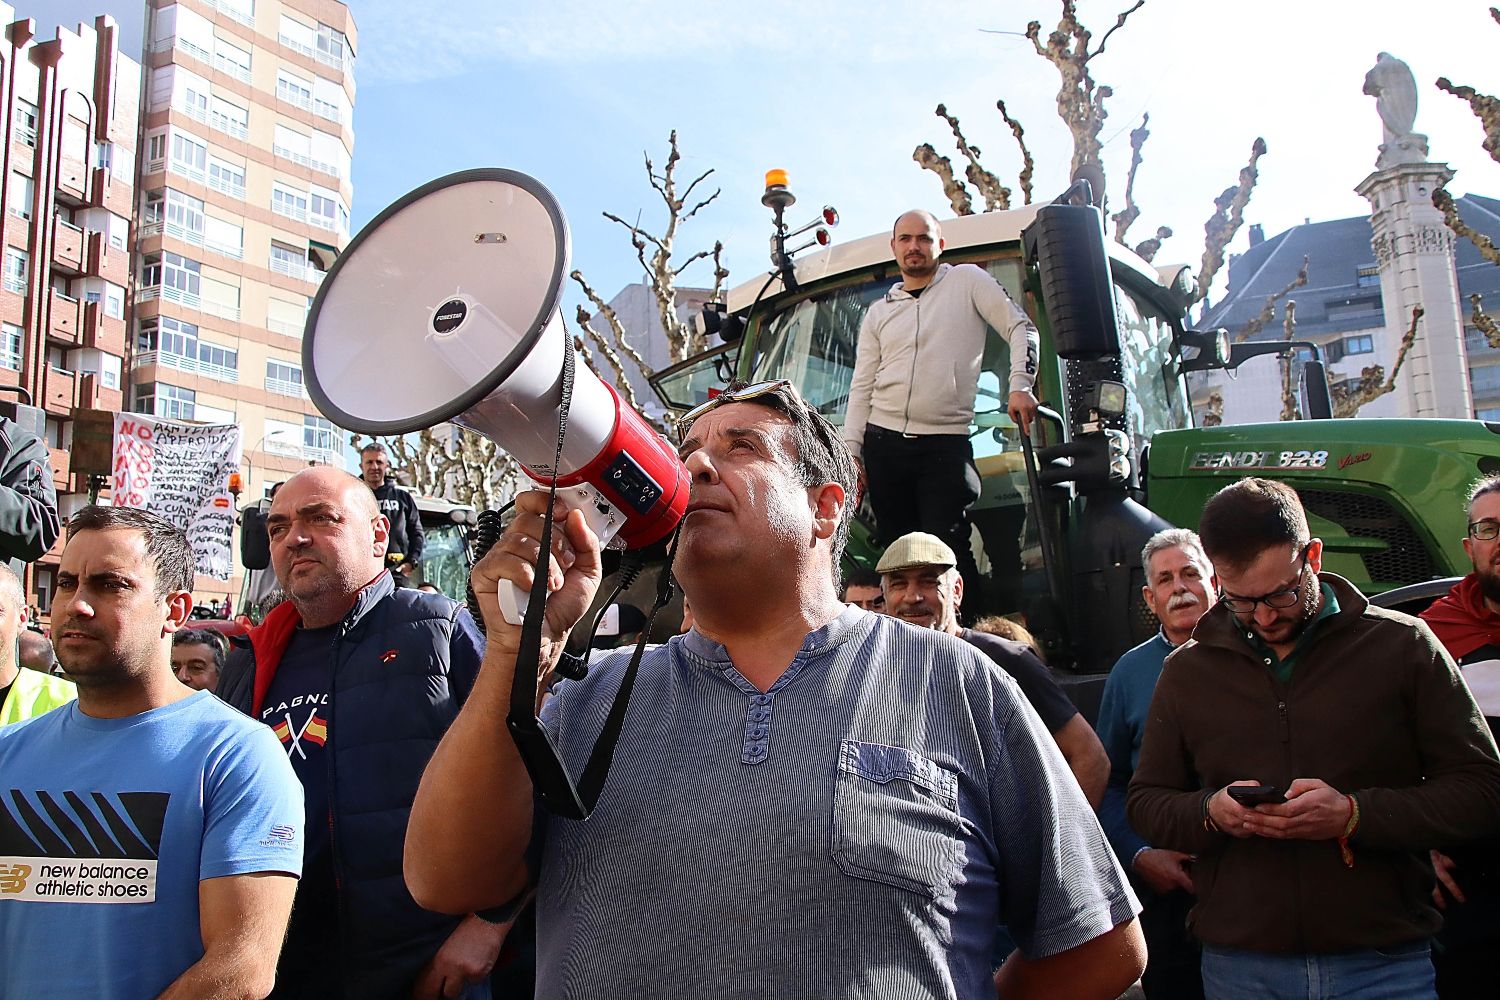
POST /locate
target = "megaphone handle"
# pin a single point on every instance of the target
(598, 513)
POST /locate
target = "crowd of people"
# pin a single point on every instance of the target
(823, 787)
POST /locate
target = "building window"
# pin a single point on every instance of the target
(189, 156)
(26, 122)
(156, 147)
(10, 346)
(177, 346)
(1364, 344)
(332, 47)
(319, 435)
(22, 191)
(179, 278)
(227, 178)
(184, 216)
(1367, 277)
(166, 401)
(16, 262)
(231, 59)
(289, 202)
(327, 213)
(293, 90)
(284, 378)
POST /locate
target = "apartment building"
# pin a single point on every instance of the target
(70, 109)
(242, 205)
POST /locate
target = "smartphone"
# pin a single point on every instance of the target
(1256, 795)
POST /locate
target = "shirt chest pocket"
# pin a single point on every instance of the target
(895, 818)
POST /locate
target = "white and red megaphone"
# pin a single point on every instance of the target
(445, 308)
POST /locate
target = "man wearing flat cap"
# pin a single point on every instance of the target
(922, 586)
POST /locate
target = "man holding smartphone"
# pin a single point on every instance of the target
(1358, 717)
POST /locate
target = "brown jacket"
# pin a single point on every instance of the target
(1375, 707)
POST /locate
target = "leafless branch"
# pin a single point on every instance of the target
(1148, 249)
(1351, 394)
(1444, 203)
(958, 195)
(1268, 311)
(1290, 407)
(995, 194)
(1138, 136)
(1028, 165)
(1485, 108)
(1229, 209)
(1119, 23)
(1483, 321)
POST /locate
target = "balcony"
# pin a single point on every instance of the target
(306, 453)
(108, 192)
(291, 211)
(294, 97)
(197, 239)
(94, 395)
(231, 68)
(197, 113)
(197, 52)
(61, 392)
(177, 362)
(286, 387)
(329, 111)
(73, 179)
(67, 246)
(286, 329)
(61, 468)
(229, 126)
(64, 326)
(302, 159)
(233, 11)
(102, 332)
(224, 185)
(104, 261)
(294, 269)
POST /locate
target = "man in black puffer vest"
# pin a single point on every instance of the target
(359, 680)
(403, 550)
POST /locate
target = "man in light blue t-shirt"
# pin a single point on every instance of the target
(150, 836)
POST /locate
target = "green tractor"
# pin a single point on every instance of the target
(1058, 529)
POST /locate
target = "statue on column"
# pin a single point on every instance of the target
(1394, 88)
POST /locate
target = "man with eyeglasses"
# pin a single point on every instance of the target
(805, 800)
(1467, 622)
(1350, 727)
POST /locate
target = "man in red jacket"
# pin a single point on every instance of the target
(1467, 623)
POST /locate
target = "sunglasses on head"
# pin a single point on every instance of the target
(741, 395)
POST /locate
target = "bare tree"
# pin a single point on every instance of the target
(454, 463)
(1351, 394)
(1081, 106)
(661, 270)
(1268, 311)
(1487, 110)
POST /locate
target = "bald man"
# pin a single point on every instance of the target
(359, 680)
(916, 375)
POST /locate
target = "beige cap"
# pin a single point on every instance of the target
(916, 549)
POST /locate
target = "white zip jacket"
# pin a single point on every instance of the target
(916, 367)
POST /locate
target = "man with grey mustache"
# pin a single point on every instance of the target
(1179, 589)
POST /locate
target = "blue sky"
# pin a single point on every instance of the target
(839, 93)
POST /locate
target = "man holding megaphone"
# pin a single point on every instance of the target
(806, 799)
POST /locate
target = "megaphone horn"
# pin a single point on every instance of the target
(445, 307)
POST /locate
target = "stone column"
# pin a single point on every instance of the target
(1415, 252)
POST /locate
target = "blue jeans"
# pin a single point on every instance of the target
(1402, 972)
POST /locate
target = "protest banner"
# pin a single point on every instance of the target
(181, 471)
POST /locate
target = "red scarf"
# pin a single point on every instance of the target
(269, 639)
(1461, 619)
